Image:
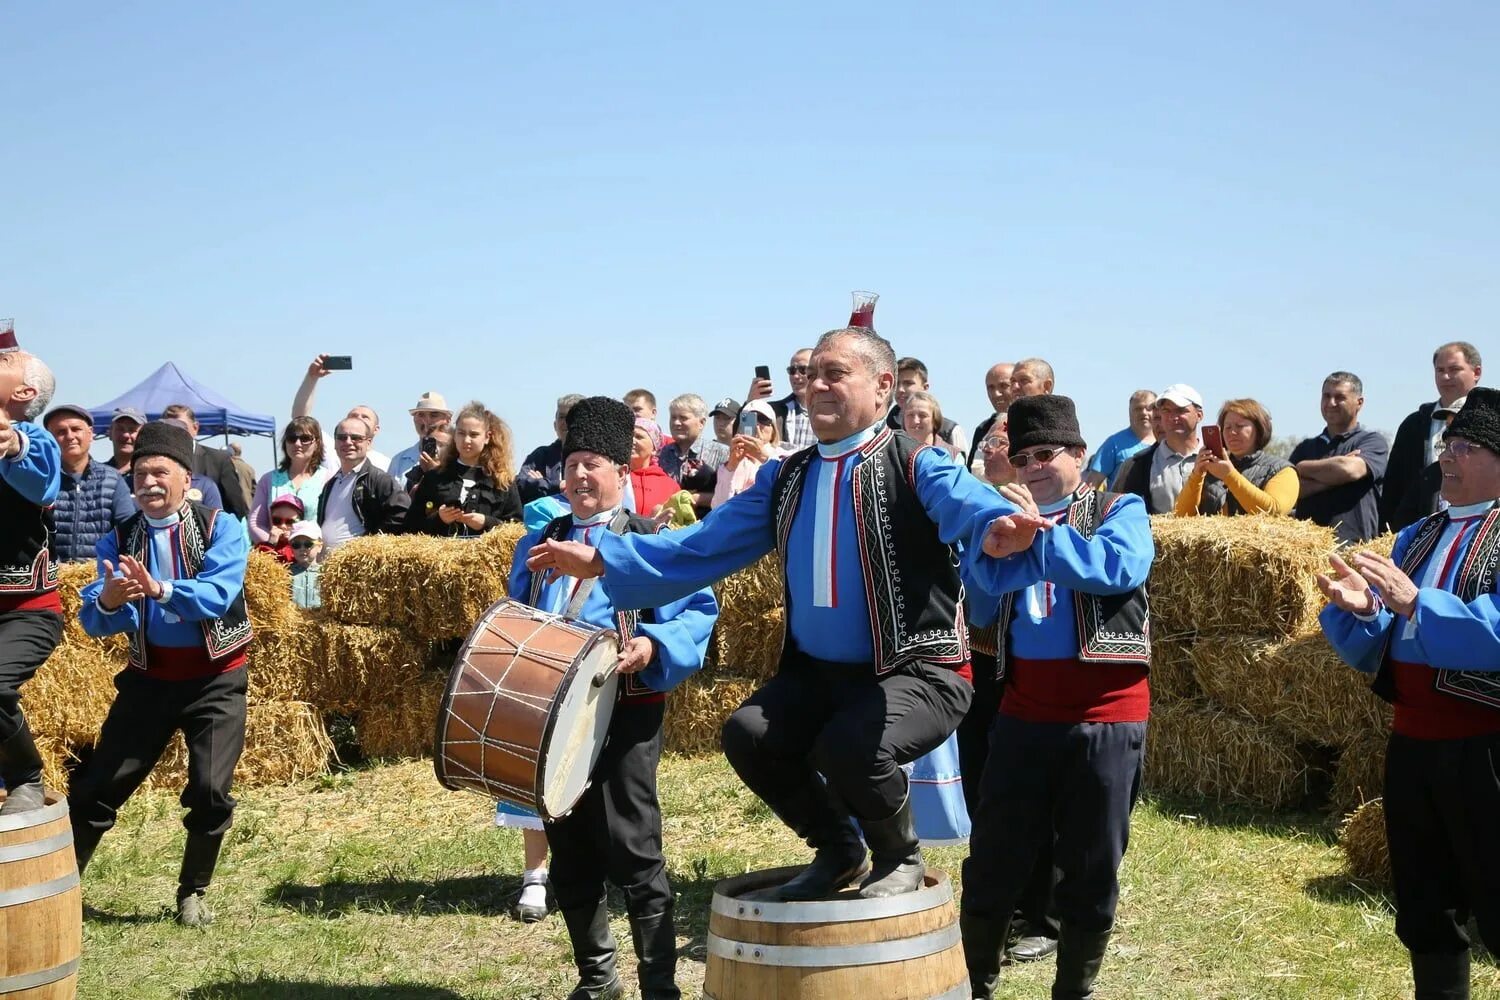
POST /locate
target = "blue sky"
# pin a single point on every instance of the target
(508, 203)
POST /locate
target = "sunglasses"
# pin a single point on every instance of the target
(796, 369)
(283, 522)
(300, 439)
(993, 443)
(303, 543)
(1041, 456)
(356, 438)
(1459, 448)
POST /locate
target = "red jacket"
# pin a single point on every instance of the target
(653, 487)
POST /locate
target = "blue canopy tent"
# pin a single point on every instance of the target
(170, 384)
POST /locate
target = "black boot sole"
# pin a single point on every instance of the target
(809, 892)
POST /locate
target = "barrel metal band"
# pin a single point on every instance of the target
(42, 890)
(834, 911)
(835, 956)
(963, 991)
(36, 848)
(31, 980)
(33, 817)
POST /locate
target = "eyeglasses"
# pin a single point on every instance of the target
(303, 543)
(1041, 457)
(796, 369)
(993, 443)
(356, 438)
(1459, 448)
(300, 439)
(283, 522)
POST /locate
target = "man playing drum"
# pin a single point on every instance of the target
(614, 832)
(875, 672)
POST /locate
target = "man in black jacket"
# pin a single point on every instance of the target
(213, 463)
(359, 499)
(1412, 480)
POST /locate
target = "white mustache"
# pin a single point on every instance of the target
(152, 491)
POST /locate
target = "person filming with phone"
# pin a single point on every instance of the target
(756, 442)
(1234, 468)
(474, 489)
(1158, 474)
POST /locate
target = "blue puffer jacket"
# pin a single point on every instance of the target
(88, 507)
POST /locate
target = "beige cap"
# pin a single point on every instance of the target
(431, 402)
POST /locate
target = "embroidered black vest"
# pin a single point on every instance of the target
(1112, 628)
(1475, 576)
(632, 688)
(26, 565)
(222, 637)
(912, 584)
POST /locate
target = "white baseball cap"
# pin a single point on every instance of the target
(1181, 394)
(307, 529)
(431, 402)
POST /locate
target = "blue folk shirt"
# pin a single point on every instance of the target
(35, 471)
(1443, 632)
(174, 620)
(828, 615)
(679, 634)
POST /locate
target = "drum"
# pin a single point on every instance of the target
(527, 708)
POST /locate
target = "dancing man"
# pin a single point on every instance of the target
(1426, 622)
(614, 833)
(875, 672)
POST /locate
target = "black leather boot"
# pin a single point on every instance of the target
(984, 944)
(199, 859)
(1441, 977)
(21, 770)
(819, 817)
(655, 940)
(85, 841)
(593, 953)
(895, 857)
(1079, 956)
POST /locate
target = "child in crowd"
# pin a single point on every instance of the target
(305, 541)
(286, 511)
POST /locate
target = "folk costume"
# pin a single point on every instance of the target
(1072, 658)
(30, 609)
(614, 833)
(185, 671)
(1440, 668)
(875, 670)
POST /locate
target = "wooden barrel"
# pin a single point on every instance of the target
(900, 948)
(41, 904)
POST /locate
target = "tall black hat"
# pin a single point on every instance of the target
(1479, 420)
(1034, 420)
(161, 437)
(602, 425)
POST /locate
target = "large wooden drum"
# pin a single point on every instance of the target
(901, 948)
(41, 904)
(527, 708)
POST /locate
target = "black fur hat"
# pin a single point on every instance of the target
(166, 439)
(1479, 420)
(602, 425)
(1034, 420)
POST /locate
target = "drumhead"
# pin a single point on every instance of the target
(575, 735)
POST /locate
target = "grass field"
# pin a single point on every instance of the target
(378, 883)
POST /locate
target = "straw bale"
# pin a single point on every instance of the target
(1172, 669)
(71, 693)
(284, 741)
(404, 723)
(281, 661)
(752, 651)
(57, 758)
(1299, 685)
(1197, 749)
(268, 594)
(1363, 842)
(1252, 573)
(354, 666)
(747, 596)
(1359, 775)
(697, 709)
(434, 588)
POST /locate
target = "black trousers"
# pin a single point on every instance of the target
(1442, 819)
(842, 720)
(27, 638)
(1077, 792)
(614, 833)
(1035, 906)
(146, 712)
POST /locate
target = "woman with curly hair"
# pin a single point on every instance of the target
(474, 487)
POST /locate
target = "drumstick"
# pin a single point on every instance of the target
(603, 676)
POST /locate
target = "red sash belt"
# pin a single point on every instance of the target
(1074, 691)
(1423, 713)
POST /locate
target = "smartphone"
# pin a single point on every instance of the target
(749, 423)
(763, 371)
(338, 363)
(430, 446)
(1213, 439)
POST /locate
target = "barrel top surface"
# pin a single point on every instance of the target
(748, 897)
(55, 809)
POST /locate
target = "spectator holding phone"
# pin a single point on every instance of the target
(320, 368)
(300, 474)
(474, 487)
(1233, 466)
(430, 413)
(430, 458)
(758, 441)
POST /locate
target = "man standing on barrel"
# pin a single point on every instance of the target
(30, 609)
(172, 578)
(614, 832)
(1426, 622)
(1066, 749)
(875, 672)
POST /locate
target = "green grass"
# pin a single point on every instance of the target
(377, 883)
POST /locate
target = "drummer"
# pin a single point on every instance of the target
(614, 833)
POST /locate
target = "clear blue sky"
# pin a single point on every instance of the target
(510, 202)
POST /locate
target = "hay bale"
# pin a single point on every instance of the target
(1362, 839)
(1299, 685)
(268, 594)
(1197, 749)
(753, 651)
(746, 597)
(697, 709)
(284, 741)
(71, 693)
(1172, 669)
(1359, 775)
(434, 588)
(352, 667)
(1237, 574)
(58, 759)
(404, 724)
